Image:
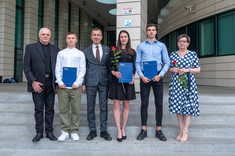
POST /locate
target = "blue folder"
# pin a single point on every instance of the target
(69, 76)
(126, 70)
(150, 69)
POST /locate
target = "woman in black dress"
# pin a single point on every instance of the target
(117, 93)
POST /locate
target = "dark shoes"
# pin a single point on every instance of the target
(38, 136)
(51, 136)
(119, 139)
(142, 135)
(91, 135)
(105, 135)
(124, 137)
(160, 135)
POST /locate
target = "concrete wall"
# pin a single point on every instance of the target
(215, 71)
(7, 38)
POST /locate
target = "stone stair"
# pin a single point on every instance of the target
(213, 133)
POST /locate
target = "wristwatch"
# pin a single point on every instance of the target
(160, 76)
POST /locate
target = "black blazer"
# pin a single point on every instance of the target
(97, 73)
(35, 66)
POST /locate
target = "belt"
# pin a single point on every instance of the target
(47, 75)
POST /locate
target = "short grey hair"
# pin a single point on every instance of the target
(44, 28)
(96, 29)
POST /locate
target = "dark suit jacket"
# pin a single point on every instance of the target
(35, 66)
(97, 73)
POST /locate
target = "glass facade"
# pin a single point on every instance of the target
(69, 18)
(56, 38)
(206, 37)
(40, 14)
(226, 34)
(214, 36)
(19, 35)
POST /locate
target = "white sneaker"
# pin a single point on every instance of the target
(63, 136)
(75, 136)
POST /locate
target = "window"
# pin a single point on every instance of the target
(19, 38)
(69, 18)
(192, 31)
(207, 38)
(226, 34)
(172, 42)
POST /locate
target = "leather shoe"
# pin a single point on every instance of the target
(119, 139)
(51, 136)
(91, 135)
(124, 137)
(38, 136)
(160, 135)
(105, 135)
(142, 135)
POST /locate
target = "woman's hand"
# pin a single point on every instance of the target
(182, 71)
(133, 79)
(117, 74)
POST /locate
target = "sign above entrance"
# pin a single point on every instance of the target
(127, 11)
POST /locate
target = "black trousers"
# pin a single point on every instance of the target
(158, 96)
(45, 98)
(103, 103)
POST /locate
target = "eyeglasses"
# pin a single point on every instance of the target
(182, 41)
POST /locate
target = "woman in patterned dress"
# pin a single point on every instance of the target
(183, 101)
(117, 93)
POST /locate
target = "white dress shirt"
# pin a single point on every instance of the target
(70, 58)
(100, 50)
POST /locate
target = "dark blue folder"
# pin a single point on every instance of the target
(69, 76)
(126, 70)
(150, 69)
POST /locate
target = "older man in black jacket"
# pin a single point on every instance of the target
(39, 69)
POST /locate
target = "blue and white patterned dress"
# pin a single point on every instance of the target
(182, 100)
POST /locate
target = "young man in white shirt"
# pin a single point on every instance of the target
(70, 57)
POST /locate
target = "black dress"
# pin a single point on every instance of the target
(116, 89)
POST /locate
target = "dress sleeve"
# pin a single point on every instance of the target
(196, 63)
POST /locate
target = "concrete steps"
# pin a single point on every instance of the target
(213, 133)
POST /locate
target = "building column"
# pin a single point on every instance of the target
(7, 38)
(63, 22)
(75, 20)
(133, 12)
(49, 17)
(30, 24)
(85, 30)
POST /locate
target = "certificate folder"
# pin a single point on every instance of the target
(69, 76)
(150, 69)
(126, 70)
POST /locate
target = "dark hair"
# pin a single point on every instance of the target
(183, 35)
(71, 33)
(151, 25)
(128, 45)
(96, 29)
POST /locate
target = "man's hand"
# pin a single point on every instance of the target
(63, 86)
(74, 86)
(145, 79)
(83, 89)
(37, 86)
(56, 89)
(156, 78)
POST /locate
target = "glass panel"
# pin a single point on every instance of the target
(56, 23)
(192, 31)
(172, 42)
(207, 37)
(111, 38)
(226, 34)
(19, 3)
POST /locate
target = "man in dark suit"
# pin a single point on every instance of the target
(39, 69)
(97, 79)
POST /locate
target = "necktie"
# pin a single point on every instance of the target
(97, 54)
